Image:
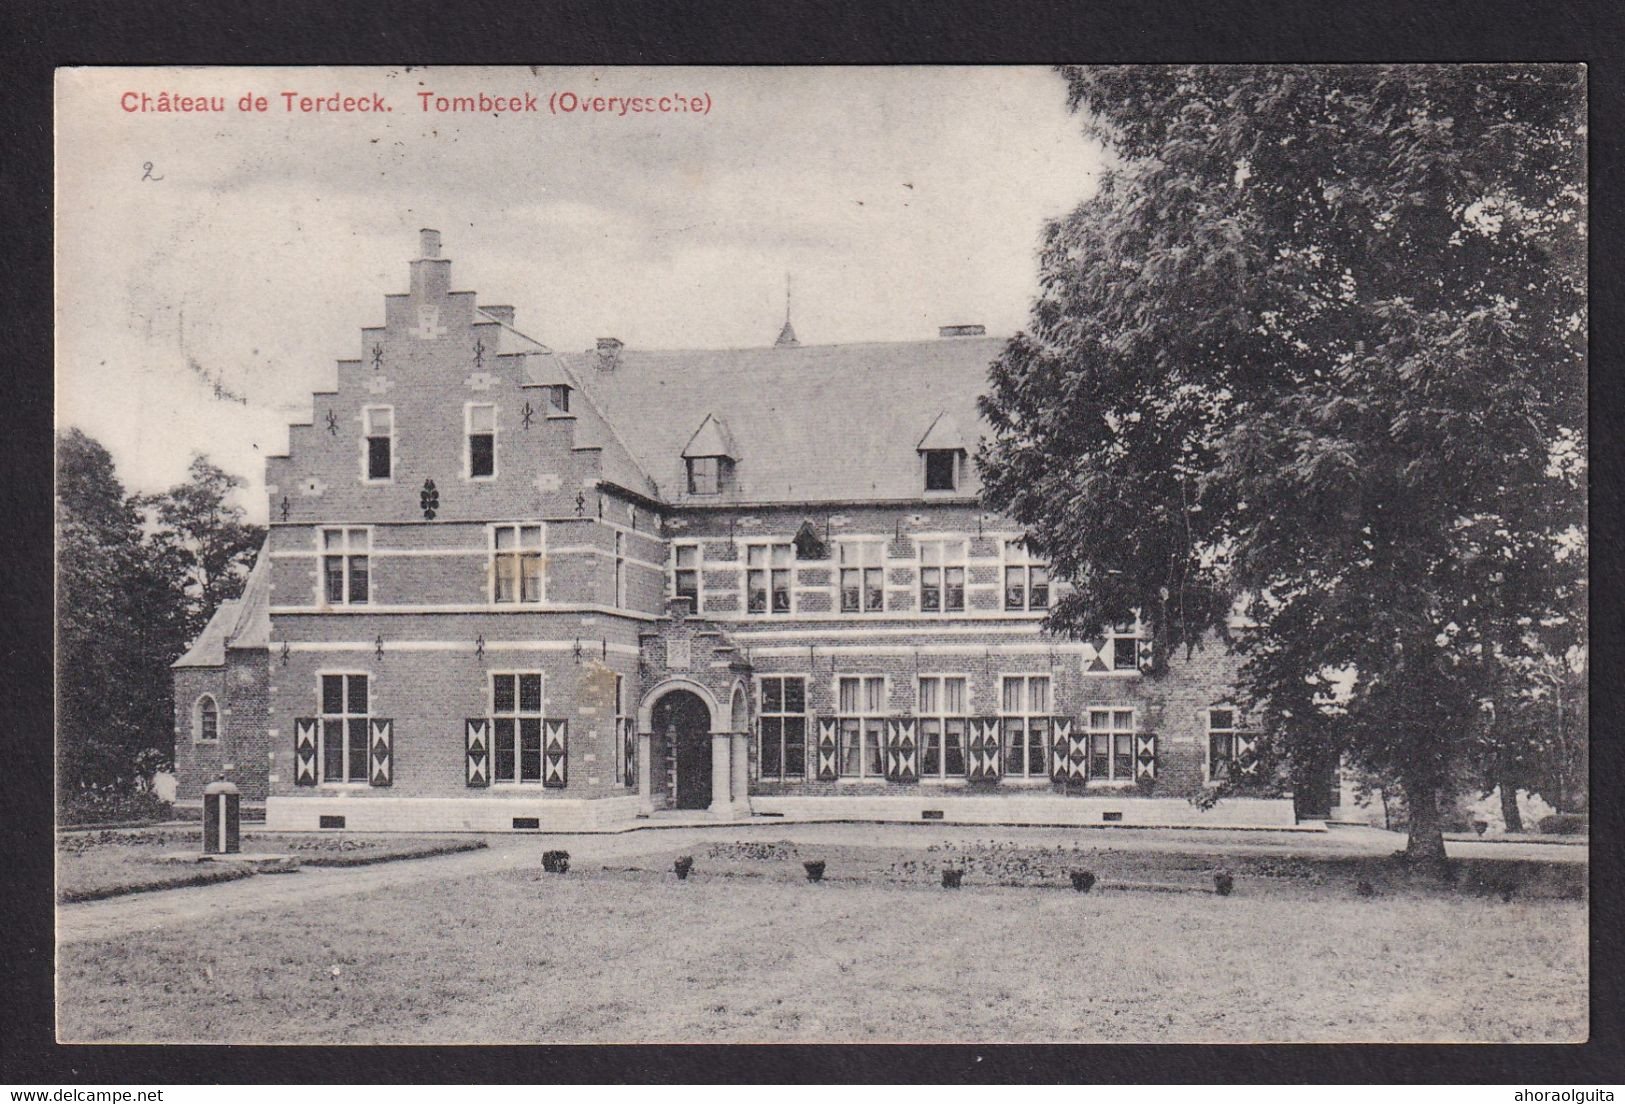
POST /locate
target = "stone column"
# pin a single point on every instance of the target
(721, 773)
(646, 768)
(741, 779)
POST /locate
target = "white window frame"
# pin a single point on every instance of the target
(346, 551)
(366, 443)
(1026, 715)
(862, 565)
(864, 719)
(762, 714)
(942, 567)
(943, 716)
(1132, 637)
(323, 716)
(519, 553)
(468, 442)
(1016, 557)
(197, 719)
(516, 715)
(698, 569)
(689, 469)
(767, 611)
(1235, 731)
(1091, 730)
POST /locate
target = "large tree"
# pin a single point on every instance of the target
(201, 531)
(1316, 345)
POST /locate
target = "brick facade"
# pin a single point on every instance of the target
(431, 632)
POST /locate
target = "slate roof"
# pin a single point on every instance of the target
(809, 423)
(243, 622)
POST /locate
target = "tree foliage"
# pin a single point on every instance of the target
(137, 578)
(1316, 345)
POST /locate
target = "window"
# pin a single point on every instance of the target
(558, 397)
(767, 578)
(942, 469)
(942, 576)
(942, 726)
(862, 701)
(783, 728)
(516, 563)
(1111, 744)
(482, 440)
(620, 569)
(516, 717)
(705, 475)
(1224, 743)
(344, 566)
(1024, 709)
(379, 426)
(344, 728)
(206, 720)
(1125, 650)
(863, 576)
(686, 560)
(1026, 581)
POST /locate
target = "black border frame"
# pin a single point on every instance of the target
(40, 35)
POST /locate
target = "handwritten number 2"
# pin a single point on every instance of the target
(146, 171)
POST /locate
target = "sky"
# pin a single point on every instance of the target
(247, 249)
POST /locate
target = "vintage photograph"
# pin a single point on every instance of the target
(1074, 555)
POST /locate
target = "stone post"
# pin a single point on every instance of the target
(741, 774)
(646, 769)
(721, 773)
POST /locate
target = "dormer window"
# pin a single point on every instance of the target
(942, 454)
(705, 475)
(558, 397)
(709, 458)
(942, 470)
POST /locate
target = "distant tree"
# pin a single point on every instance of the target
(1317, 345)
(119, 626)
(201, 534)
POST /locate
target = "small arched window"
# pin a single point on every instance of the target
(206, 720)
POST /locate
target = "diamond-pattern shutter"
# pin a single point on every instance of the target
(1145, 654)
(1247, 754)
(629, 750)
(477, 761)
(555, 753)
(304, 751)
(827, 744)
(1070, 763)
(902, 750)
(1145, 755)
(983, 763)
(380, 751)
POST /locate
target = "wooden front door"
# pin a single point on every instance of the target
(694, 769)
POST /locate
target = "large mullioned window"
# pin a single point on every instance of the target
(345, 581)
(942, 576)
(1026, 580)
(516, 718)
(1024, 711)
(863, 576)
(862, 704)
(943, 706)
(768, 569)
(345, 711)
(1111, 744)
(516, 563)
(782, 754)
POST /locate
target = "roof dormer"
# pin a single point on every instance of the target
(709, 458)
(942, 455)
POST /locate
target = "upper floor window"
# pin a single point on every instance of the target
(344, 566)
(558, 396)
(708, 475)
(782, 728)
(862, 702)
(942, 576)
(1126, 649)
(942, 469)
(516, 563)
(767, 577)
(516, 719)
(686, 561)
(343, 735)
(1024, 706)
(206, 720)
(1111, 744)
(863, 576)
(942, 726)
(378, 423)
(620, 569)
(1026, 581)
(481, 419)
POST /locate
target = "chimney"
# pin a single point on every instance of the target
(974, 329)
(501, 314)
(428, 244)
(609, 350)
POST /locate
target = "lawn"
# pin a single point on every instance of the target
(94, 865)
(746, 950)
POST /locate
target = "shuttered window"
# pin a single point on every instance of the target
(1024, 713)
(343, 735)
(516, 721)
(943, 720)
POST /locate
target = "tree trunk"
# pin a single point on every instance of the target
(1509, 807)
(1424, 848)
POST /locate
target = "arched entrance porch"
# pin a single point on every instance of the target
(681, 723)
